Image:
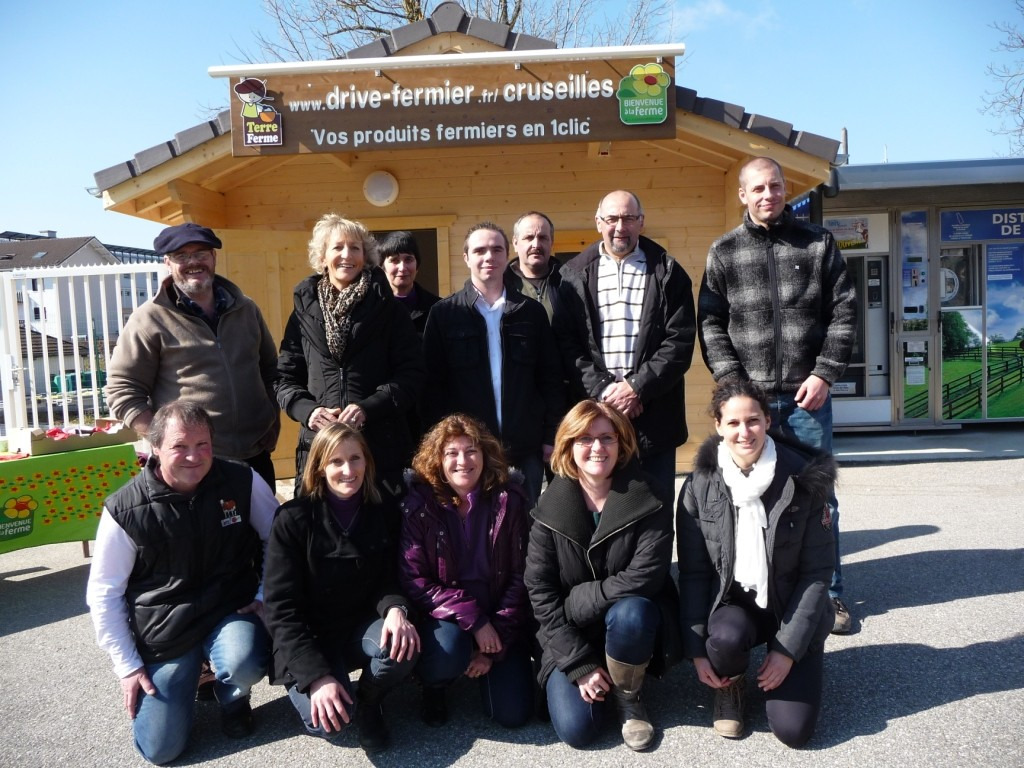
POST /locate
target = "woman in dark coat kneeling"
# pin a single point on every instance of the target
(332, 600)
(598, 576)
(755, 560)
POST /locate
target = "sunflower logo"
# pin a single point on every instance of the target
(649, 79)
(643, 95)
(19, 508)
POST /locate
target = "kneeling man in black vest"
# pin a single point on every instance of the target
(176, 578)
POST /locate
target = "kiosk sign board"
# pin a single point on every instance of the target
(538, 102)
(975, 225)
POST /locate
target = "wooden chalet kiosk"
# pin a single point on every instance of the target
(443, 123)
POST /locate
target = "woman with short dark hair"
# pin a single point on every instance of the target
(400, 260)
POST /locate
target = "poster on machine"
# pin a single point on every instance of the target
(1004, 286)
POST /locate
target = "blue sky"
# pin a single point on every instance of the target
(88, 85)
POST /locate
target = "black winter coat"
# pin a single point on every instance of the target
(421, 309)
(664, 347)
(801, 553)
(575, 574)
(459, 371)
(322, 585)
(382, 371)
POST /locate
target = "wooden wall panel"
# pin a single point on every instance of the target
(267, 266)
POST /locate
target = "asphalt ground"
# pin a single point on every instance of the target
(933, 675)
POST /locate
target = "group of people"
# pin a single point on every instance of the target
(484, 483)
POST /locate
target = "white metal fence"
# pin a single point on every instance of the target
(58, 327)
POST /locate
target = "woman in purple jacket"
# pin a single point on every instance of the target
(464, 533)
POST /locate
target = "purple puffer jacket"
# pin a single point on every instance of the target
(428, 570)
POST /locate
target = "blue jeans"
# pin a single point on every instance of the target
(532, 467)
(661, 467)
(631, 629)
(362, 650)
(812, 428)
(238, 649)
(506, 692)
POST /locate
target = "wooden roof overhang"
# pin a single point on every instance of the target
(189, 177)
(193, 186)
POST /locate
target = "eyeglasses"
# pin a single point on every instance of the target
(184, 258)
(628, 219)
(587, 441)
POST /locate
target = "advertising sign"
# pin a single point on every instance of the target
(990, 224)
(851, 232)
(538, 102)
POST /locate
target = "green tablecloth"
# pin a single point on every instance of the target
(59, 497)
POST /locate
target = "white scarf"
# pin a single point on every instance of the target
(751, 571)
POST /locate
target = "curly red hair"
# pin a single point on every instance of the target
(428, 461)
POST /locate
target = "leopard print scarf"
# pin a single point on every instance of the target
(337, 308)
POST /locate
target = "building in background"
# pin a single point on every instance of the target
(63, 302)
(446, 122)
(937, 253)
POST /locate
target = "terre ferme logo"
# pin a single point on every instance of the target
(643, 95)
(261, 123)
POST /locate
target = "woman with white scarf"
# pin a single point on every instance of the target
(754, 538)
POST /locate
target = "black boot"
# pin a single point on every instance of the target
(435, 708)
(373, 731)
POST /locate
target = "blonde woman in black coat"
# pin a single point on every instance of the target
(350, 353)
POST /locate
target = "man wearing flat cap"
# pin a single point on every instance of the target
(203, 340)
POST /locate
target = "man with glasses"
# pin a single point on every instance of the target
(625, 324)
(200, 339)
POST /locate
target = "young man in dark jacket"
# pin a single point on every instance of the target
(777, 307)
(626, 329)
(490, 354)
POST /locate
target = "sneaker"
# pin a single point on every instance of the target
(236, 723)
(373, 731)
(843, 623)
(435, 708)
(728, 711)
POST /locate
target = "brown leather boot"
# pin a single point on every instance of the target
(627, 680)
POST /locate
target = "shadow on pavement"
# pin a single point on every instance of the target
(867, 687)
(931, 578)
(858, 541)
(276, 720)
(42, 599)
